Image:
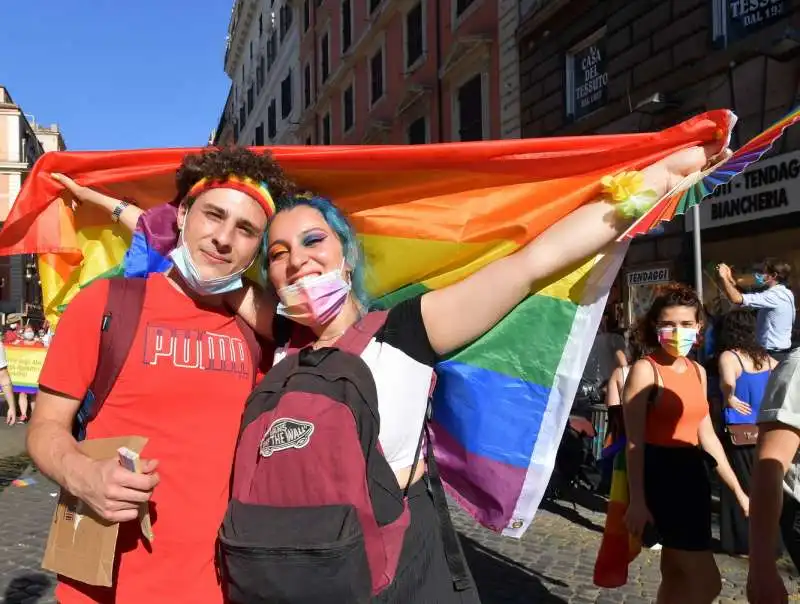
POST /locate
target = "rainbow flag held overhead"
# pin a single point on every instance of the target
(427, 216)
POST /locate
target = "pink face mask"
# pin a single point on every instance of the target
(314, 300)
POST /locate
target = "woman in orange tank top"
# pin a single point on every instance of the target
(670, 439)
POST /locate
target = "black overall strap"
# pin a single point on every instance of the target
(422, 435)
(456, 562)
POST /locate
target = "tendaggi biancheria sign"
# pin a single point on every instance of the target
(768, 188)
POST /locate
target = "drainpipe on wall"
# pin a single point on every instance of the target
(439, 103)
(735, 135)
(312, 9)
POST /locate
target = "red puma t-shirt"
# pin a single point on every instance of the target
(183, 386)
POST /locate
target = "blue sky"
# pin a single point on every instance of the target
(115, 74)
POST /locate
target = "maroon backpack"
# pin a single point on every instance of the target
(316, 514)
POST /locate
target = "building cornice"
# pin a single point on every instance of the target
(238, 28)
(465, 50)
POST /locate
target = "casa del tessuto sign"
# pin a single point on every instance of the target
(768, 188)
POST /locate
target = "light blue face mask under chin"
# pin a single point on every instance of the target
(205, 287)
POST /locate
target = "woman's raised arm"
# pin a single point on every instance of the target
(128, 213)
(456, 315)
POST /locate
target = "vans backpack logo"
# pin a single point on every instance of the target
(285, 433)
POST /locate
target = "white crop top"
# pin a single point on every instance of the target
(402, 360)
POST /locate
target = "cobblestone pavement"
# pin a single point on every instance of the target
(552, 564)
(12, 438)
(25, 513)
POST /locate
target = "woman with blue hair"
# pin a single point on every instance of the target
(343, 230)
(315, 271)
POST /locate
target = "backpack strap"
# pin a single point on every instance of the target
(117, 330)
(356, 339)
(426, 419)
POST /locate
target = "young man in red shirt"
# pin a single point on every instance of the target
(183, 386)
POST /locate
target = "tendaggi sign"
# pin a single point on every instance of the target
(649, 276)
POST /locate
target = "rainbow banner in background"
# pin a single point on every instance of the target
(24, 365)
(428, 216)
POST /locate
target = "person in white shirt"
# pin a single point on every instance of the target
(775, 485)
(775, 304)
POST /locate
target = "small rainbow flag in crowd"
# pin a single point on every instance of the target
(618, 548)
(427, 216)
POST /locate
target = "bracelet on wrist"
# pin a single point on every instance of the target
(118, 210)
(628, 193)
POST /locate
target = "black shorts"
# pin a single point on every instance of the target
(423, 576)
(678, 494)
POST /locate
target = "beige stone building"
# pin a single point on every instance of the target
(22, 142)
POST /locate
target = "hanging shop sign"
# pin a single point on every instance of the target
(738, 19)
(587, 77)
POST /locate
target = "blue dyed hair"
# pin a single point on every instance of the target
(351, 248)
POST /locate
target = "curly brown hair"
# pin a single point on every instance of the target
(738, 332)
(667, 296)
(219, 164)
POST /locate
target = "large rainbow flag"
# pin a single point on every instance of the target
(427, 216)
